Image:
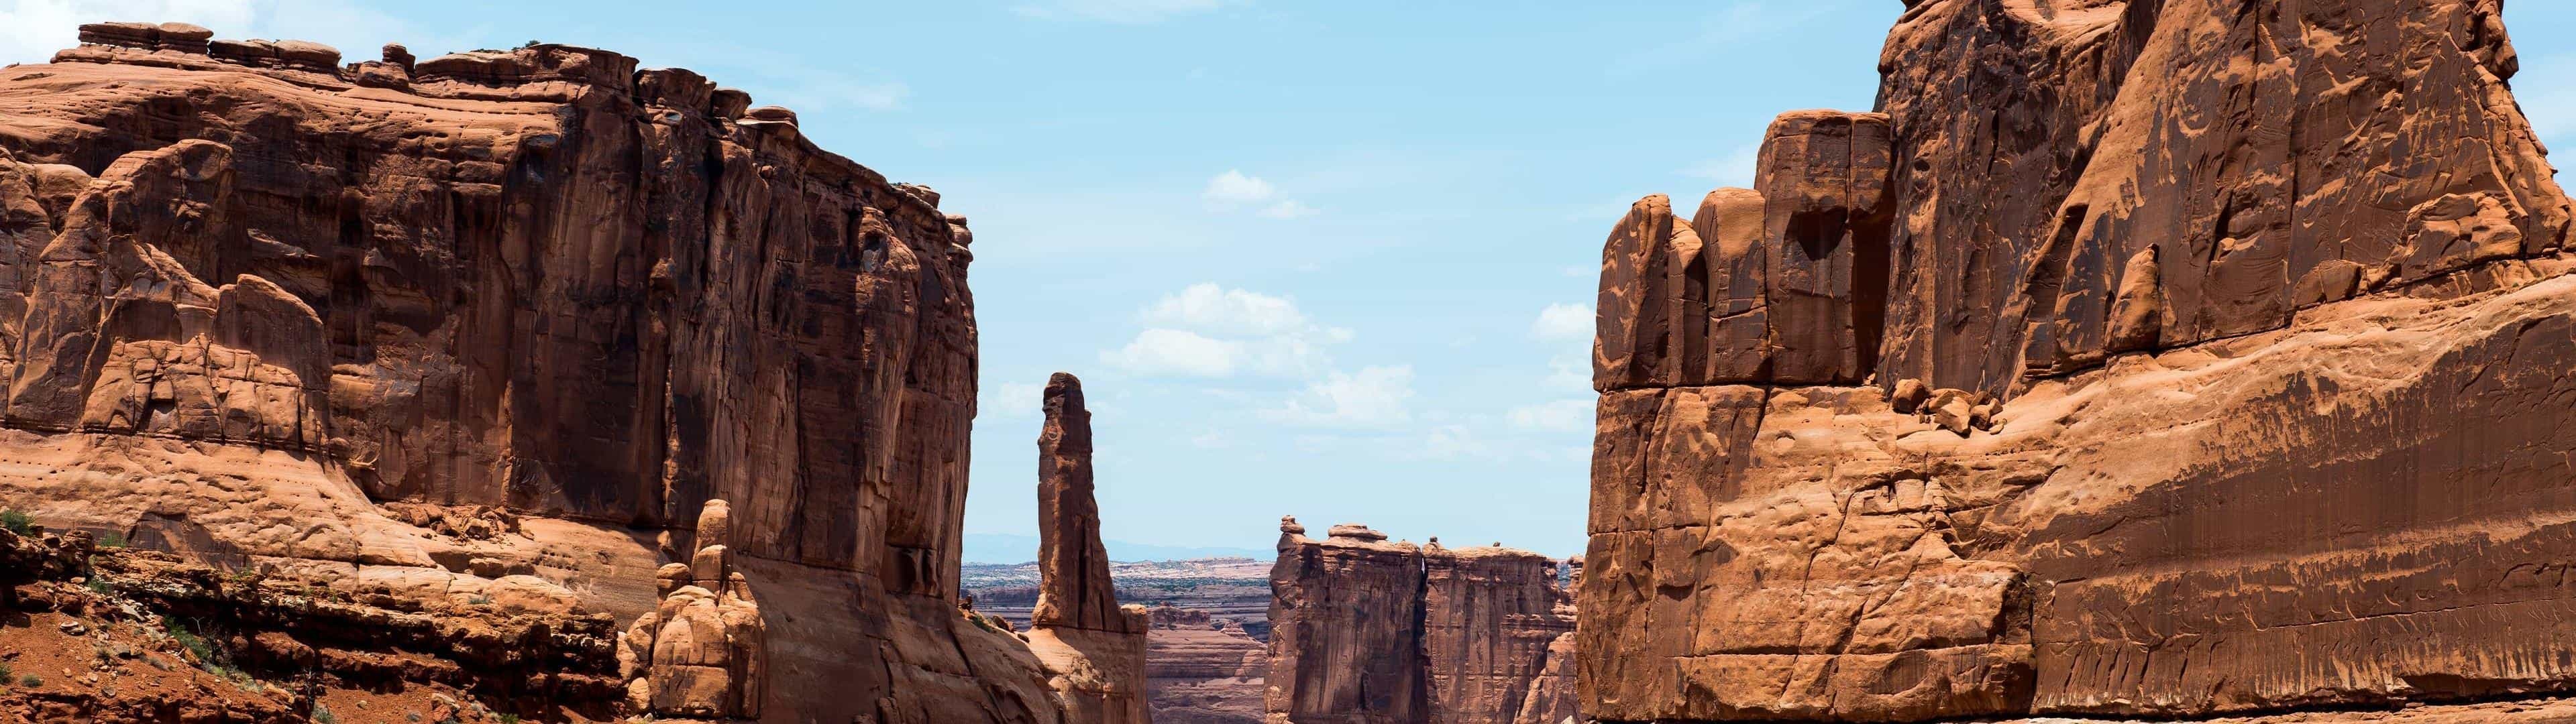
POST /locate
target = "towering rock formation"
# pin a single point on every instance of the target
(1093, 649)
(1345, 629)
(1488, 614)
(2135, 358)
(1364, 631)
(248, 294)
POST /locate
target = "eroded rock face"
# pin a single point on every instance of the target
(2195, 316)
(1368, 631)
(248, 294)
(1488, 617)
(1092, 649)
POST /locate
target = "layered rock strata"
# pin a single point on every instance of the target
(249, 294)
(1364, 631)
(1092, 648)
(2132, 359)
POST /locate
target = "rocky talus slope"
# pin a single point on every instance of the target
(2133, 359)
(494, 329)
(1366, 631)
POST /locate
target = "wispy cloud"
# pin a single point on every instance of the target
(1563, 323)
(1372, 397)
(1572, 415)
(1206, 330)
(1118, 11)
(1011, 400)
(1234, 190)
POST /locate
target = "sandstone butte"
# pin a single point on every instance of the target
(2131, 359)
(1366, 631)
(434, 376)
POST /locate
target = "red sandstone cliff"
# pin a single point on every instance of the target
(274, 311)
(2134, 358)
(1370, 632)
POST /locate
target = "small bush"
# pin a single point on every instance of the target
(97, 586)
(32, 681)
(322, 715)
(193, 643)
(111, 539)
(17, 522)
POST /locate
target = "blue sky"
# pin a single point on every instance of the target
(1330, 259)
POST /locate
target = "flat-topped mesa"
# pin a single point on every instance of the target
(1092, 649)
(2063, 383)
(1367, 631)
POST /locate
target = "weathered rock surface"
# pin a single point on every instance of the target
(1367, 631)
(1092, 648)
(2210, 365)
(249, 295)
(1345, 630)
(703, 652)
(1488, 615)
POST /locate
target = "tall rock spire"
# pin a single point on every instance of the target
(1073, 569)
(1092, 650)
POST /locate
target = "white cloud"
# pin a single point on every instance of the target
(1211, 440)
(1207, 330)
(1563, 323)
(1011, 400)
(1569, 372)
(1206, 306)
(1235, 188)
(1557, 416)
(1234, 191)
(1176, 351)
(1117, 11)
(1374, 397)
(1453, 442)
(1289, 209)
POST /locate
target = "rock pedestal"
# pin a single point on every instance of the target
(703, 652)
